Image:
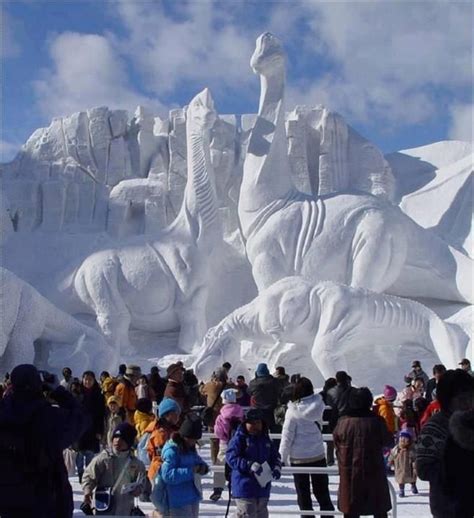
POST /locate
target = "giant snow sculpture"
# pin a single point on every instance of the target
(27, 316)
(338, 327)
(160, 284)
(352, 238)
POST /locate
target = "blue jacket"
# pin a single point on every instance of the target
(242, 452)
(178, 475)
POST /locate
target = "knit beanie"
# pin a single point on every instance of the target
(254, 414)
(126, 432)
(168, 405)
(144, 405)
(191, 427)
(406, 433)
(389, 393)
(262, 370)
(26, 378)
(229, 396)
(113, 399)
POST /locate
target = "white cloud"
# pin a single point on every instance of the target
(86, 71)
(8, 150)
(462, 122)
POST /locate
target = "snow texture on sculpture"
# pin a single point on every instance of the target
(28, 316)
(160, 283)
(355, 239)
(335, 325)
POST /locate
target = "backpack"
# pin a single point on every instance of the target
(24, 465)
(142, 453)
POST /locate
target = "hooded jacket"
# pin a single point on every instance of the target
(223, 424)
(301, 437)
(160, 431)
(242, 452)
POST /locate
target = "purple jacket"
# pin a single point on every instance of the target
(223, 424)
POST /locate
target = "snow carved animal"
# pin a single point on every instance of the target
(28, 316)
(160, 284)
(352, 238)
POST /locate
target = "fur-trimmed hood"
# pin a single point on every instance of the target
(461, 426)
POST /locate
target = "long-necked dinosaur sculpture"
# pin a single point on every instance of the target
(352, 238)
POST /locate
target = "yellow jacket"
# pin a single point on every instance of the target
(142, 420)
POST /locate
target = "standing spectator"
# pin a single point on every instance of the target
(160, 431)
(191, 387)
(413, 391)
(435, 442)
(157, 383)
(418, 372)
(383, 406)
(121, 371)
(438, 371)
(402, 457)
(227, 366)
(114, 416)
(181, 465)
(249, 448)
(408, 418)
(243, 397)
(338, 396)
(360, 437)
(433, 408)
(107, 384)
(143, 389)
(328, 384)
(282, 378)
(113, 469)
(143, 416)
(35, 482)
(263, 390)
(175, 387)
(302, 445)
(94, 405)
(67, 378)
(125, 391)
(466, 366)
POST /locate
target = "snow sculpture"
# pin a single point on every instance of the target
(28, 316)
(355, 239)
(161, 284)
(333, 324)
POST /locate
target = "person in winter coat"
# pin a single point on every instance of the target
(67, 378)
(328, 385)
(417, 372)
(454, 389)
(114, 416)
(94, 405)
(157, 383)
(438, 371)
(113, 469)
(160, 431)
(249, 448)
(360, 437)
(433, 408)
(466, 366)
(264, 394)
(143, 416)
(125, 391)
(107, 384)
(338, 396)
(413, 391)
(143, 389)
(243, 397)
(182, 469)
(41, 488)
(302, 445)
(402, 457)
(175, 386)
(383, 406)
(408, 418)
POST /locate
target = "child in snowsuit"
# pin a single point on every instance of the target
(249, 448)
(403, 458)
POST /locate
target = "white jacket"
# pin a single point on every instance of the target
(301, 437)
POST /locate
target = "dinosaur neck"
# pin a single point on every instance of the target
(199, 205)
(266, 175)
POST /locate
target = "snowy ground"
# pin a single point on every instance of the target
(283, 498)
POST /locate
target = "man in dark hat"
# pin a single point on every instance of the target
(36, 432)
(466, 366)
(117, 469)
(175, 386)
(264, 394)
(417, 372)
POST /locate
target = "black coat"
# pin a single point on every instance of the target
(93, 405)
(51, 429)
(338, 398)
(429, 389)
(264, 394)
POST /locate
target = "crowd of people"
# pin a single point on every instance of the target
(135, 435)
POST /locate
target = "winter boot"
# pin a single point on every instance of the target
(217, 494)
(414, 489)
(401, 493)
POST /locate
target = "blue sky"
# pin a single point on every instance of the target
(399, 72)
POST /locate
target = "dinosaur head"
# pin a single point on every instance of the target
(201, 112)
(269, 56)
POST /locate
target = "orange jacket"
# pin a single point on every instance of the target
(384, 409)
(125, 391)
(160, 433)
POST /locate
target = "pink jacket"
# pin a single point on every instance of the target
(222, 427)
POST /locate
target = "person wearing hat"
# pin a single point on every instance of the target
(403, 457)
(114, 468)
(248, 450)
(418, 372)
(143, 416)
(175, 386)
(160, 431)
(33, 476)
(383, 406)
(114, 416)
(264, 394)
(338, 396)
(466, 366)
(125, 391)
(182, 468)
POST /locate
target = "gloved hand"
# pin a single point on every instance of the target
(276, 473)
(256, 468)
